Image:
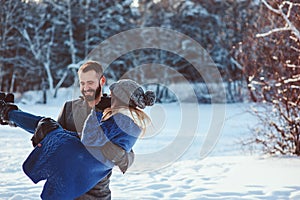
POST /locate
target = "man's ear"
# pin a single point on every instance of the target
(102, 80)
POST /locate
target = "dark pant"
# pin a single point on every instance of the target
(101, 191)
(24, 120)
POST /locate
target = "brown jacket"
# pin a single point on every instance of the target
(73, 115)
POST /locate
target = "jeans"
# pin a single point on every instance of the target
(24, 120)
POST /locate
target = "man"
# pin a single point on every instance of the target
(74, 113)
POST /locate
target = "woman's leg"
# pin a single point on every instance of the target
(24, 120)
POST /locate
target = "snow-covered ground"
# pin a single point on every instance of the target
(226, 172)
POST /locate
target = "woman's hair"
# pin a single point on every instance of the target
(129, 98)
(139, 117)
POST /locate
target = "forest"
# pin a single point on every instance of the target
(43, 42)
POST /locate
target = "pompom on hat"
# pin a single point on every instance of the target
(127, 92)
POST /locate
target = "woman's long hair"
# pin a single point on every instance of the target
(139, 117)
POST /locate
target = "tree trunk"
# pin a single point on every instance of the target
(12, 83)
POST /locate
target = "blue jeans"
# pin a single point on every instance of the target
(24, 120)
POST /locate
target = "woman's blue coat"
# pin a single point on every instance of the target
(68, 167)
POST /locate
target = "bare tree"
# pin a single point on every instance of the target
(285, 10)
(40, 47)
(271, 60)
(8, 47)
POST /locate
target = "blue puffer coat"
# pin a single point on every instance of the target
(69, 167)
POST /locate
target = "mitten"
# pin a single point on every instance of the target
(45, 126)
(5, 108)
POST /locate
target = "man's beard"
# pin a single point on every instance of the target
(95, 95)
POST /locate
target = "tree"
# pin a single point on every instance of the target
(271, 59)
(214, 25)
(49, 38)
(10, 15)
(39, 37)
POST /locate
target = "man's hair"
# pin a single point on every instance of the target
(91, 66)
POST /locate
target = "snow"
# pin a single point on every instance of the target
(164, 170)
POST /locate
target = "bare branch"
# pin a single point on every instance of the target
(296, 49)
(289, 25)
(272, 31)
(270, 7)
(25, 35)
(236, 63)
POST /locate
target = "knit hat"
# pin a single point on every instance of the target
(127, 92)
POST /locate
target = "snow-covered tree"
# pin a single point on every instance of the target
(213, 24)
(52, 37)
(38, 36)
(11, 14)
(270, 55)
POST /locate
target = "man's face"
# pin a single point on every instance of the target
(90, 85)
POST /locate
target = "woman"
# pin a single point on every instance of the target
(70, 166)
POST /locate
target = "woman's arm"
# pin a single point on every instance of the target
(94, 137)
(118, 156)
(92, 133)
